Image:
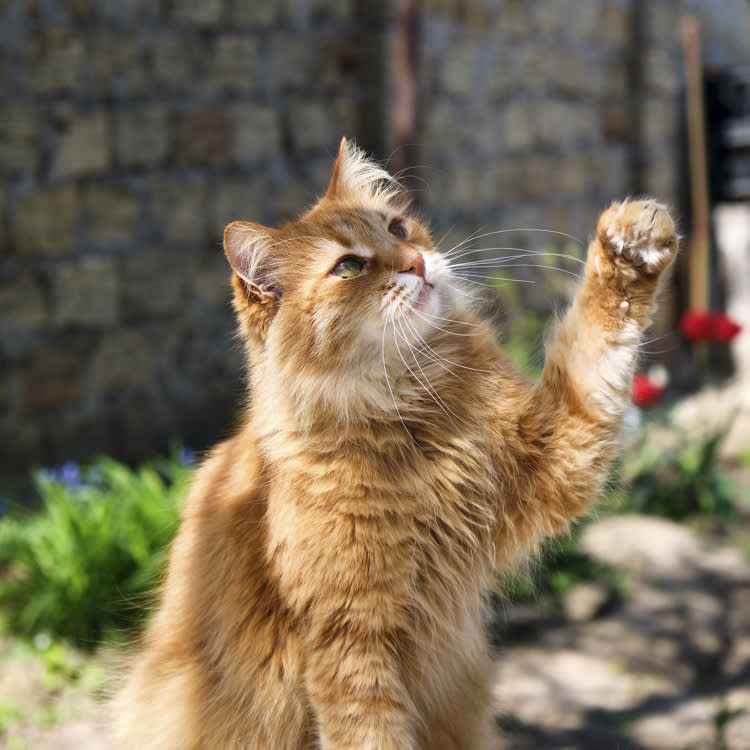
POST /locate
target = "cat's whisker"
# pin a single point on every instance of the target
(468, 278)
(507, 258)
(388, 380)
(542, 265)
(437, 244)
(456, 322)
(427, 388)
(427, 351)
(444, 359)
(523, 253)
(430, 319)
(475, 237)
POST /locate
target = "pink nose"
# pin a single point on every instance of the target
(413, 264)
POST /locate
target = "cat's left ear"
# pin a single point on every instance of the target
(247, 248)
(335, 187)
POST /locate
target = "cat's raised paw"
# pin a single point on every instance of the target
(640, 233)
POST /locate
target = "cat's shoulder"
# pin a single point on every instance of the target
(229, 476)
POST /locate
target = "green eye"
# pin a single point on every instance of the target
(349, 267)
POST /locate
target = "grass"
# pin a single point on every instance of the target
(80, 568)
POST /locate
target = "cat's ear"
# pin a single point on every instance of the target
(247, 249)
(336, 187)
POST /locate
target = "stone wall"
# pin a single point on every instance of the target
(131, 132)
(539, 113)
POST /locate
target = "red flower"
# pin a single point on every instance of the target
(724, 328)
(645, 392)
(698, 325)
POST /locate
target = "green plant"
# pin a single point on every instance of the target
(81, 566)
(680, 481)
(559, 566)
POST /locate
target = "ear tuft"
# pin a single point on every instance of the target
(358, 178)
(247, 247)
(336, 186)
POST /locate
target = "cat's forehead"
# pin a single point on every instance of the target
(352, 223)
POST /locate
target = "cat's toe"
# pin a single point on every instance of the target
(640, 232)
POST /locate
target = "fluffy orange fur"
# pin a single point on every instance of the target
(325, 588)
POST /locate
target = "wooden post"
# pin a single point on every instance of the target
(700, 233)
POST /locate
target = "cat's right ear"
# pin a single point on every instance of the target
(247, 247)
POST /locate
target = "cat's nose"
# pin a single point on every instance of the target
(413, 264)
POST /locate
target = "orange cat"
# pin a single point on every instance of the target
(325, 588)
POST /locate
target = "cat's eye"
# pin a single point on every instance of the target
(398, 229)
(349, 267)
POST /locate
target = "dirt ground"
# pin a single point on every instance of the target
(665, 668)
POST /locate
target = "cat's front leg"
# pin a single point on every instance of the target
(354, 685)
(597, 343)
(567, 428)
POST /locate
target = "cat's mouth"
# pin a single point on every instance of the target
(424, 293)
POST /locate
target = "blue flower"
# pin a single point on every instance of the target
(3, 506)
(68, 474)
(186, 456)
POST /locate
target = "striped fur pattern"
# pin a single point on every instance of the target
(325, 588)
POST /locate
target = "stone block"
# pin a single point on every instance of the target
(78, 9)
(658, 120)
(540, 175)
(86, 292)
(110, 214)
(202, 137)
(561, 123)
(127, 12)
(179, 208)
(312, 125)
(660, 71)
(440, 123)
(211, 279)
(176, 59)
(22, 311)
(582, 19)
(142, 135)
(293, 60)
(612, 173)
(506, 177)
(518, 130)
(123, 361)
(614, 24)
(237, 200)
(116, 62)
(532, 70)
(661, 22)
(660, 178)
(45, 220)
(83, 148)
(575, 174)
(197, 12)
(53, 376)
(461, 68)
(614, 117)
(290, 198)
(566, 70)
(548, 16)
(154, 282)
(514, 18)
(56, 60)
(19, 133)
(236, 62)
(255, 133)
(255, 12)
